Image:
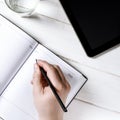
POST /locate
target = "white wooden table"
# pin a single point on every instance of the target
(100, 97)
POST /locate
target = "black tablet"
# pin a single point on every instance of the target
(97, 24)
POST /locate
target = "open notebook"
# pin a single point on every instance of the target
(18, 52)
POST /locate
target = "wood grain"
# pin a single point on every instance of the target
(101, 90)
(63, 40)
(83, 111)
(99, 98)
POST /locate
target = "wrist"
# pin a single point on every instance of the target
(53, 114)
(52, 117)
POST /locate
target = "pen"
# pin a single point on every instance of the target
(53, 89)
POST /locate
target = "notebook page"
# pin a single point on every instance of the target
(15, 46)
(19, 91)
(6, 113)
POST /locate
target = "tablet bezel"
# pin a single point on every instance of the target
(90, 52)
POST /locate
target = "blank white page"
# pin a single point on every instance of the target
(19, 92)
(15, 47)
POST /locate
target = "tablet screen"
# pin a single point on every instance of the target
(99, 22)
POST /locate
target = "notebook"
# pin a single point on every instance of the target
(18, 52)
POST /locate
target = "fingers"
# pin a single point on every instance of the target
(45, 65)
(37, 86)
(55, 75)
(60, 72)
(52, 73)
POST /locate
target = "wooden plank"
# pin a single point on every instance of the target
(52, 9)
(77, 111)
(101, 89)
(61, 38)
(82, 111)
(104, 62)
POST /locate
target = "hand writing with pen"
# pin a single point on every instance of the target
(46, 104)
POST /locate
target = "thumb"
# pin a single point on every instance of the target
(37, 86)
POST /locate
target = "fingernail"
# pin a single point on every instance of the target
(36, 60)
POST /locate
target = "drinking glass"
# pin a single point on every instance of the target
(25, 7)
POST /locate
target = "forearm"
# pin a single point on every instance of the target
(51, 118)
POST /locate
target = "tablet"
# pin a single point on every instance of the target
(97, 24)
